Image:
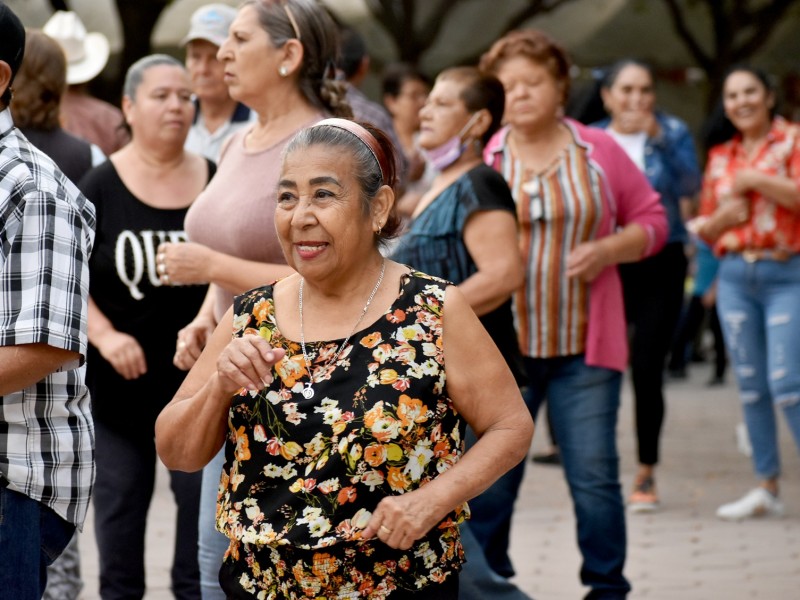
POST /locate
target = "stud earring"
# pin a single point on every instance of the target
(283, 71)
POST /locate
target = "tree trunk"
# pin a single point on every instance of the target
(59, 5)
(138, 20)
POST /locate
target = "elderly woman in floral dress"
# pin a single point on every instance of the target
(345, 474)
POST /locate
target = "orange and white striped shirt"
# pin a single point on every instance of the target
(591, 189)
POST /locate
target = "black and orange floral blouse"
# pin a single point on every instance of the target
(302, 476)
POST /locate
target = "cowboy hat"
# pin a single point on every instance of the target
(87, 53)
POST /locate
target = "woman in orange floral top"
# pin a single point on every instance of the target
(750, 211)
(343, 397)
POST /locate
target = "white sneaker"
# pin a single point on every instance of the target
(755, 503)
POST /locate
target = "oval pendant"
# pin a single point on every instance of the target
(308, 393)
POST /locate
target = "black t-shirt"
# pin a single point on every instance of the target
(125, 286)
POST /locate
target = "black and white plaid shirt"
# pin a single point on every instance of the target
(46, 236)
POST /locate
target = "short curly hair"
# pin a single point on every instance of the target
(535, 45)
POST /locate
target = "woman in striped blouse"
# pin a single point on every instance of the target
(583, 207)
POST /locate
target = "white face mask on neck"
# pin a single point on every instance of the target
(450, 151)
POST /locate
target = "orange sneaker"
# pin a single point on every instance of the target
(644, 499)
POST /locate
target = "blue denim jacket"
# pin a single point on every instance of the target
(671, 167)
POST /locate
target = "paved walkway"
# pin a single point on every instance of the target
(682, 552)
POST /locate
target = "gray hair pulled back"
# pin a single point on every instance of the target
(318, 34)
(135, 74)
(366, 169)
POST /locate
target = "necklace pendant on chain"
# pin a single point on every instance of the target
(307, 392)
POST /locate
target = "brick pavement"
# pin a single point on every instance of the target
(682, 552)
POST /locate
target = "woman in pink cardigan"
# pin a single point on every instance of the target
(583, 207)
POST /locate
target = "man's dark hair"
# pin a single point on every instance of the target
(352, 51)
(12, 46)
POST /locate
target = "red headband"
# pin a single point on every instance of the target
(366, 138)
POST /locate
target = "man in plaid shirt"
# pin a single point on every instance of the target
(46, 430)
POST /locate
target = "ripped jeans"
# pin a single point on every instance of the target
(759, 309)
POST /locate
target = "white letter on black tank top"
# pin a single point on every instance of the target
(137, 257)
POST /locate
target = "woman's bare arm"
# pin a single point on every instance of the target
(491, 238)
(191, 428)
(588, 259)
(484, 391)
(192, 263)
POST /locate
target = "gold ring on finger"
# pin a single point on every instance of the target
(385, 530)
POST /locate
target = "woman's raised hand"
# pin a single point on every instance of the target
(191, 341)
(587, 260)
(745, 180)
(635, 121)
(185, 263)
(733, 211)
(247, 362)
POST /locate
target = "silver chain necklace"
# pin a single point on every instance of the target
(308, 393)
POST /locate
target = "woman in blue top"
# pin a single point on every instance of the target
(464, 230)
(662, 147)
(464, 227)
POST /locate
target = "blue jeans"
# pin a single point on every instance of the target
(211, 544)
(32, 536)
(64, 575)
(583, 402)
(492, 511)
(760, 316)
(477, 580)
